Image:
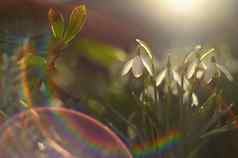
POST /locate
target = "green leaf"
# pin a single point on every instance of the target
(34, 60)
(145, 47)
(100, 53)
(187, 57)
(76, 22)
(56, 21)
(127, 67)
(203, 66)
(208, 104)
(177, 77)
(205, 55)
(225, 72)
(137, 67)
(191, 70)
(216, 132)
(147, 62)
(161, 77)
(195, 151)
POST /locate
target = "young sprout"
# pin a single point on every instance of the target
(63, 32)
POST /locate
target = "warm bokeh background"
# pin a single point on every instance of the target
(119, 23)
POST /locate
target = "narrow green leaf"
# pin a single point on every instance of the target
(56, 21)
(208, 104)
(145, 47)
(216, 131)
(205, 55)
(187, 57)
(225, 72)
(203, 65)
(192, 69)
(127, 67)
(76, 22)
(147, 62)
(195, 151)
(161, 77)
(177, 77)
(191, 53)
(137, 67)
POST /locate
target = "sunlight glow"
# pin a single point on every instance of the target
(182, 6)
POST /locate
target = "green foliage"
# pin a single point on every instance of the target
(35, 61)
(57, 24)
(99, 52)
(141, 107)
(9, 83)
(180, 96)
(144, 46)
(206, 54)
(76, 23)
(64, 32)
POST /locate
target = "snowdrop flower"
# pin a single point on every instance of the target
(141, 62)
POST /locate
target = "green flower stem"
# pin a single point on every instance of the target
(181, 109)
(153, 78)
(169, 97)
(181, 112)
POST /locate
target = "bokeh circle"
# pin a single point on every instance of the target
(58, 133)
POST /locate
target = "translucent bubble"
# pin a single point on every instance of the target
(58, 133)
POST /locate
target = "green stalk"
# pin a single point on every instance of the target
(154, 81)
(181, 113)
(181, 108)
(156, 101)
(168, 98)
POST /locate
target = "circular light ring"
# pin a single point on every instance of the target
(59, 133)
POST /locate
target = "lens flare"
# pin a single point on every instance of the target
(158, 147)
(58, 133)
(182, 6)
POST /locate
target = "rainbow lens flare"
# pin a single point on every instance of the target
(58, 133)
(158, 147)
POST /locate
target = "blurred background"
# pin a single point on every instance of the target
(169, 26)
(177, 23)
